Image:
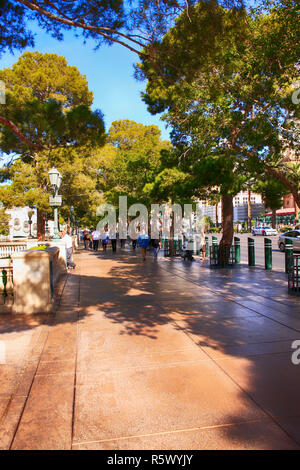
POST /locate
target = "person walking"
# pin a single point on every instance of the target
(143, 242)
(66, 237)
(113, 238)
(104, 240)
(86, 239)
(95, 238)
(133, 240)
(155, 247)
(203, 245)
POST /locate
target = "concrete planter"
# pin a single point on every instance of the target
(35, 273)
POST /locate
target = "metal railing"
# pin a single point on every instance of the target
(177, 247)
(221, 256)
(294, 275)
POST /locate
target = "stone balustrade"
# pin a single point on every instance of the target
(28, 277)
(9, 248)
(6, 281)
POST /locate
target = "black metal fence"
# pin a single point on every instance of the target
(177, 247)
(221, 256)
(294, 275)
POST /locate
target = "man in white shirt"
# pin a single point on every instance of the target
(66, 237)
(96, 238)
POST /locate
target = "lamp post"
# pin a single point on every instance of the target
(72, 219)
(55, 200)
(30, 214)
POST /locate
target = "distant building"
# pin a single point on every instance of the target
(286, 215)
(208, 210)
(283, 216)
(240, 207)
(288, 202)
(289, 210)
(19, 223)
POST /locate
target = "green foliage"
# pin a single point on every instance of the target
(4, 222)
(131, 24)
(45, 76)
(130, 161)
(50, 102)
(38, 248)
(286, 228)
(272, 192)
(224, 81)
(226, 87)
(16, 20)
(14, 34)
(207, 223)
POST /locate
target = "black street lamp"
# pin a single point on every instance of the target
(55, 200)
(30, 214)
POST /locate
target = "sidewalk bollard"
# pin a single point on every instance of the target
(197, 247)
(251, 252)
(215, 247)
(237, 249)
(166, 248)
(206, 247)
(288, 255)
(268, 253)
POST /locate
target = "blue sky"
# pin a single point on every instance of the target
(109, 72)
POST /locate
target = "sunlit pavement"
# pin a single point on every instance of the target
(159, 354)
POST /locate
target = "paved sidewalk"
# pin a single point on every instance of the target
(154, 355)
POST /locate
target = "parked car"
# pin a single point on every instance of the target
(264, 230)
(293, 235)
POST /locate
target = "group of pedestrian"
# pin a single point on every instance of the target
(92, 238)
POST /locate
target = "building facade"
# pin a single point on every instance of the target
(19, 226)
(240, 207)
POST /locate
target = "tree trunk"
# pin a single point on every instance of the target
(249, 210)
(227, 220)
(217, 215)
(41, 225)
(171, 242)
(296, 210)
(274, 218)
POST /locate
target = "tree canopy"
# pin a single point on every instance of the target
(50, 102)
(226, 90)
(130, 160)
